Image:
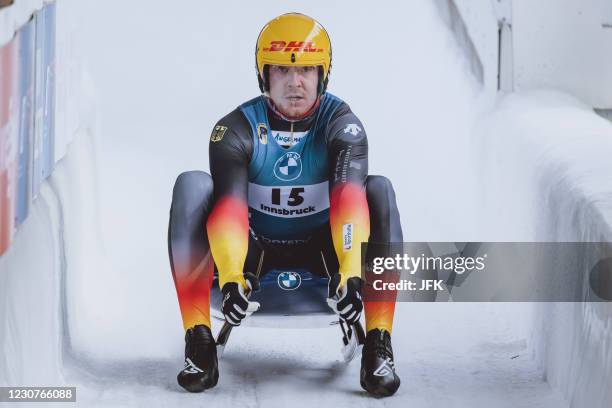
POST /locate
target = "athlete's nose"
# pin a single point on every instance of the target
(295, 79)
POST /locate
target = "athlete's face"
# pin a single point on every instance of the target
(293, 89)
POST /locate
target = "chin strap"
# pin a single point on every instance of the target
(288, 118)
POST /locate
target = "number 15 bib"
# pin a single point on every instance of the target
(288, 193)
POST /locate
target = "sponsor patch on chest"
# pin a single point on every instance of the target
(288, 167)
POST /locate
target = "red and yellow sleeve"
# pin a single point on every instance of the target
(350, 226)
(228, 234)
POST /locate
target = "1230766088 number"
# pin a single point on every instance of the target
(33, 394)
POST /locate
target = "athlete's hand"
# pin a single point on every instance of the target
(236, 305)
(346, 300)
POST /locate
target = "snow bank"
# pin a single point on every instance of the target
(545, 165)
(543, 160)
(30, 280)
(34, 331)
(34, 273)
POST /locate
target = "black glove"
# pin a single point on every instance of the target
(346, 300)
(236, 305)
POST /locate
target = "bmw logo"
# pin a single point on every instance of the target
(289, 280)
(288, 167)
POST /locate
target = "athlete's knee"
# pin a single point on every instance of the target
(193, 178)
(385, 224)
(379, 188)
(193, 192)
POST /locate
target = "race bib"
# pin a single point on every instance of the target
(289, 201)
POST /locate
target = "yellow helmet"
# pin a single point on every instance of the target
(293, 39)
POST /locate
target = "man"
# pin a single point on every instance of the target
(289, 170)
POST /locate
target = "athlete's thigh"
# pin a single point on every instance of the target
(317, 256)
(254, 259)
(322, 256)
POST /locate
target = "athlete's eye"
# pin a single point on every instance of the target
(309, 68)
(280, 68)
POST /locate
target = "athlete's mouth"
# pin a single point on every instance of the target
(294, 98)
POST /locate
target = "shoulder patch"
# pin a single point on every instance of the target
(218, 133)
(353, 129)
(262, 132)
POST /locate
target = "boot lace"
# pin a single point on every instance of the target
(382, 345)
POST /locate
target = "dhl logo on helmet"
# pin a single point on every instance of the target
(292, 46)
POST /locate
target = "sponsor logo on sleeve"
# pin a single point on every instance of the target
(347, 233)
(353, 129)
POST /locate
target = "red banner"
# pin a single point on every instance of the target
(8, 142)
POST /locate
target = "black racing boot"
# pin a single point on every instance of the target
(201, 368)
(377, 366)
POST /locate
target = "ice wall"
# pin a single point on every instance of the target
(35, 280)
(33, 290)
(545, 166)
(31, 331)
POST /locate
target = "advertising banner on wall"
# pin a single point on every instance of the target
(25, 41)
(8, 142)
(48, 13)
(44, 101)
(37, 140)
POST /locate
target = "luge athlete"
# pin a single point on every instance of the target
(289, 187)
